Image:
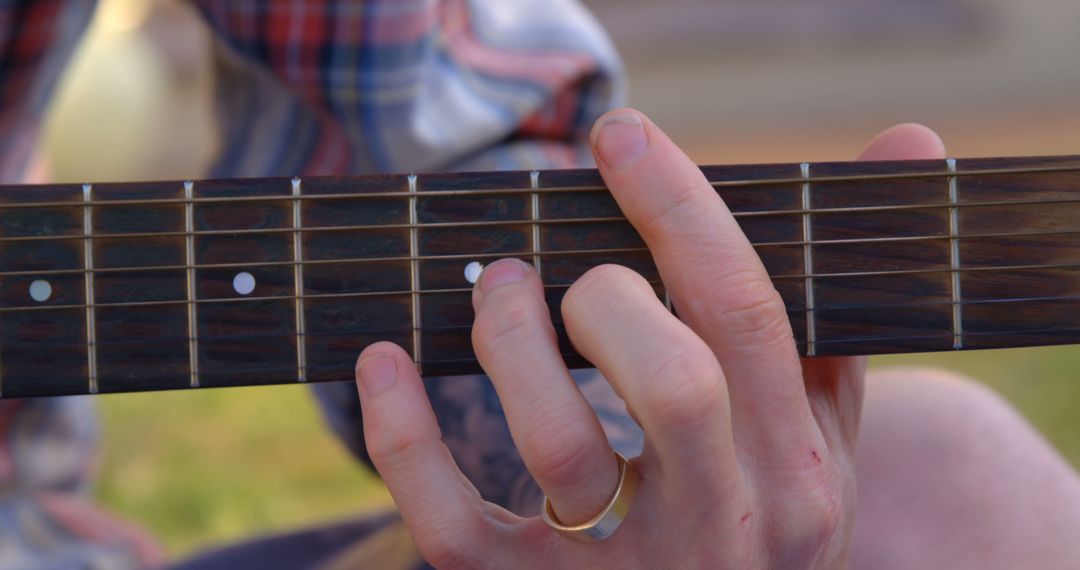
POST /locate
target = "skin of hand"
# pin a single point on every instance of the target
(749, 451)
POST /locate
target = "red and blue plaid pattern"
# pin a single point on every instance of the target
(36, 41)
(303, 87)
(403, 85)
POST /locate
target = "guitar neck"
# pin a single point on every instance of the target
(171, 285)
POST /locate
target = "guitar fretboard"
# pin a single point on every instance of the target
(167, 285)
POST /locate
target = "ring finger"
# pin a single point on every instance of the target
(554, 428)
(668, 376)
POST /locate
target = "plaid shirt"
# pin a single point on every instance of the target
(311, 88)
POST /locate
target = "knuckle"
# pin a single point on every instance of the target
(685, 389)
(395, 446)
(753, 309)
(830, 516)
(822, 518)
(506, 326)
(826, 508)
(452, 550)
(815, 515)
(562, 455)
(449, 538)
(681, 201)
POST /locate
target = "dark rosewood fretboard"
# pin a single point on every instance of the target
(164, 285)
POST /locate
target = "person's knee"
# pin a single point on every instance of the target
(953, 429)
(949, 474)
(944, 417)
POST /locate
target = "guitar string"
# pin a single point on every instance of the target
(404, 332)
(41, 272)
(526, 190)
(433, 291)
(345, 369)
(525, 222)
(1009, 333)
(471, 365)
(260, 231)
(328, 261)
(945, 338)
(462, 256)
(474, 367)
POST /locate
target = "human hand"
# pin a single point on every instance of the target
(749, 453)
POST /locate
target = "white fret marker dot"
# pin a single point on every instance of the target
(40, 290)
(244, 283)
(473, 270)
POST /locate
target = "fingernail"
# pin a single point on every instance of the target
(502, 272)
(378, 373)
(620, 139)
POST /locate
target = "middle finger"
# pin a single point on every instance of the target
(717, 282)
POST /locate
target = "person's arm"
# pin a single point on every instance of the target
(749, 455)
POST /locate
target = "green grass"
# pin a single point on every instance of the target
(202, 467)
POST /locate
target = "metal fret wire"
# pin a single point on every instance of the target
(88, 263)
(414, 273)
(298, 282)
(954, 261)
(555, 190)
(808, 264)
(189, 258)
(534, 209)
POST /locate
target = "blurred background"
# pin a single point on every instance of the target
(731, 80)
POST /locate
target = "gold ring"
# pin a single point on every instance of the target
(607, 522)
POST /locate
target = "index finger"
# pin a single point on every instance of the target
(714, 277)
